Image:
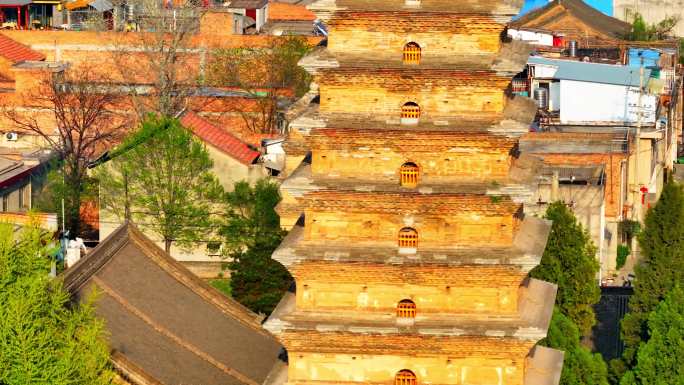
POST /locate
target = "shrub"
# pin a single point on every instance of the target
(622, 252)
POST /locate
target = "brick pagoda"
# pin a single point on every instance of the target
(412, 255)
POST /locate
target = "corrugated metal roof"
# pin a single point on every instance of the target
(593, 72)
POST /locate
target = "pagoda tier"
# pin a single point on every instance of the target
(466, 141)
(446, 297)
(524, 251)
(328, 357)
(504, 61)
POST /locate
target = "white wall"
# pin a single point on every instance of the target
(544, 71)
(537, 38)
(554, 96)
(596, 102)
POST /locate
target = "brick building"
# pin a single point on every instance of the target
(408, 241)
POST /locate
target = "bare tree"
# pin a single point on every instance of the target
(158, 60)
(268, 77)
(77, 115)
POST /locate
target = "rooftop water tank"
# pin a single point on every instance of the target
(541, 96)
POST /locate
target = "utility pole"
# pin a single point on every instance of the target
(637, 201)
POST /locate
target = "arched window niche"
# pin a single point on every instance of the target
(410, 113)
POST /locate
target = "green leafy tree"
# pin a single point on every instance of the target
(661, 268)
(580, 366)
(252, 232)
(163, 184)
(269, 78)
(643, 31)
(660, 361)
(43, 338)
(570, 261)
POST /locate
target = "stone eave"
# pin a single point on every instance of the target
(525, 252)
(501, 11)
(513, 122)
(544, 366)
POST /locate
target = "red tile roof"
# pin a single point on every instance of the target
(285, 11)
(219, 138)
(17, 52)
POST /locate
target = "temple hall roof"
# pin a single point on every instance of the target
(168, 324)
(547, 16)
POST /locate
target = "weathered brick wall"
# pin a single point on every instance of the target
(386, 99)
(434, 229)
(381, 369)
(5, 71)
(377, 289)
(362, 42)
(334, 357)
(369, 33)
(434, 167)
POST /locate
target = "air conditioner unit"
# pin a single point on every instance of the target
(12, 136)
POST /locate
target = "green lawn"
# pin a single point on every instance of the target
(223, 285)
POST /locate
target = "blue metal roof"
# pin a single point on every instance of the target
(593, 72)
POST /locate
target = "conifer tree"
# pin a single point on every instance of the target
(661, 268)
(580, 366)
(43, 338)
(569, 260)
(252, 232)
(660, 361)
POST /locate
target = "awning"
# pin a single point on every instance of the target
(77, 4)
(14, 3)
(99, 5)
(47, 2)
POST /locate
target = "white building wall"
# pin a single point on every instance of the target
(544, 71)
(596, 102)
(554, 96)
(537, 38)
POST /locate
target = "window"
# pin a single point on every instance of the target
(409, 174)
(410, 113)
(412, 53)
(24, 197)
(405, 377)
(408, 237)
(5, 202)
(406, 309)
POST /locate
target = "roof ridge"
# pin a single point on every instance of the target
(76, 276)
